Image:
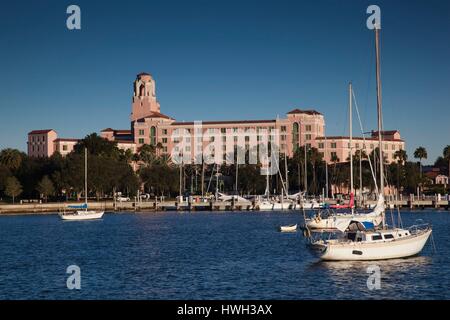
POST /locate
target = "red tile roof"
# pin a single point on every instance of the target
(40, 131)
(154, 114)
(385, 132)
(179, 123)
(310, 112)
(119, 131)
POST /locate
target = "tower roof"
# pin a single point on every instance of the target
(144, 74)
(309, 112)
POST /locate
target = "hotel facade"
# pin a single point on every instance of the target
(150, 126)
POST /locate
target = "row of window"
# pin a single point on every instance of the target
(212, 148)
(64, 148)
(224, 130)
(37, 138)
(333, 145)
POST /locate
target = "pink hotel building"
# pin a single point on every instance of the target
(150, 126)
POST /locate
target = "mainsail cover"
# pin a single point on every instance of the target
(375, 217)
(83, 206)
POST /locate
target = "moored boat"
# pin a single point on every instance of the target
(290, 228)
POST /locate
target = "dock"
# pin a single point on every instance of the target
(412, 203)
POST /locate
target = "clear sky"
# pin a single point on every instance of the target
(220, 60)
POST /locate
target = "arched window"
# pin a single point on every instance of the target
(142, 90)
(295, 136)
(153, 136)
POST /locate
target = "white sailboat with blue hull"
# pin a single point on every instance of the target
(82, 212)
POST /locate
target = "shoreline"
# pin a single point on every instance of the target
(170, 206)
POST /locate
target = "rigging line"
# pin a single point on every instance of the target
(392, 218)
(210, 178)
(433, 243)
(364, 140)
(399, 217)
(369, 79)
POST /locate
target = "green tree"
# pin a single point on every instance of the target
(315, 158)
(160, 179)
(11, 158)
(46, 187)
(446, 154)
(97, 145)
(401, 157)
(13, 188)
(147, 154)
(5, 173)
(420, 153)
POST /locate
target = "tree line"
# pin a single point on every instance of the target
(110, 171)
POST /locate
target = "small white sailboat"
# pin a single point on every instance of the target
(290, 228)
(83, 213)
(359, 242)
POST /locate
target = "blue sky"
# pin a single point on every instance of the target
(224, 60)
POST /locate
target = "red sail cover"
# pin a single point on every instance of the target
(345, 206)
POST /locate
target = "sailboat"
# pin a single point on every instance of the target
(82, 212)
(331, 221)
(360, 241)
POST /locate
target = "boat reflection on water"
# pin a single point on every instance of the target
(394, 273)
(386, 266)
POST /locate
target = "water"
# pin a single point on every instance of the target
(226, 255)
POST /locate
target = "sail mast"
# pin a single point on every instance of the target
(351, 137)
(305, 173)
(286, 172)
(85, 177)
(379, 111)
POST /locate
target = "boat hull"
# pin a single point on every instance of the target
(281, 206)
(265, 206)
(400, 248)
(288, 228)
(83, 215)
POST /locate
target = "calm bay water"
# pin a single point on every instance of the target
(226, 255)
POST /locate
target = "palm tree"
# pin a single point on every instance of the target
(299, 159)
(420, 153)
(159, 147)
(446, 154)
(315, 157)
(11, 158)
(401, 157)
(334, 159)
